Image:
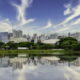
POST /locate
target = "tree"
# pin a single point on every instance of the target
(67, 43)
(12, 45)
(1, 44)
(76, 47)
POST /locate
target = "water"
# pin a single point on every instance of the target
(38, 68)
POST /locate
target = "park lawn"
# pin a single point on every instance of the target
(15, 52)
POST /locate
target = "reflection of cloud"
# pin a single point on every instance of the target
(71, 74)
(41, 72)
(21, 73)
(7, 72)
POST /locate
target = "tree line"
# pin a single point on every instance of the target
(64, 43)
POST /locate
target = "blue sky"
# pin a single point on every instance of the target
(40, 16)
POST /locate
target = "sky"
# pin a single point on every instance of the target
(40, 16)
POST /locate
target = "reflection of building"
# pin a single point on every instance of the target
(17, 63)
(77, 62)
(4, 62)
(4, 37)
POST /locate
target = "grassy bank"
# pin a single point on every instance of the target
(16, 52)
(54, 52)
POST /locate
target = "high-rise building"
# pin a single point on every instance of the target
(76, 35)
(4, 37)
(20, 34)
(17, 33)
(34, 38)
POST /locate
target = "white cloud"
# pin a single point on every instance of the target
(68, 9)
(21, 10)
(5, 26)
(71, 21)
(62, 29)
(49, 25)
(75, 13)
(76, 22)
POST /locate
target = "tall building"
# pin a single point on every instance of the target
(35, 38)
(17, 33)
(4, 37)
(76, 35)
(18, 36)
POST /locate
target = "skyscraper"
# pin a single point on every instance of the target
(4, 37)
(17, 33)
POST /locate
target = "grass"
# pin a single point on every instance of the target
(64, 55)
(37, 52)
(54, 52)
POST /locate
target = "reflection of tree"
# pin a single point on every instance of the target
(18, 64)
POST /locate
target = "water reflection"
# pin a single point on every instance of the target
(38, 68)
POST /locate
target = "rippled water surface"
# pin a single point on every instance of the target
(35, 68)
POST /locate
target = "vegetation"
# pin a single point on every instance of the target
(31, 52)
(70, 47)
(64, 43)
(29, 45)
(68, 43)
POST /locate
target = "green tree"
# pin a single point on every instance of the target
(12, 45)
(1, 44)
(67, 43)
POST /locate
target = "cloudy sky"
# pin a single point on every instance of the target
(40, 16)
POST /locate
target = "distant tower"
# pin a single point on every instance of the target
(69, 34)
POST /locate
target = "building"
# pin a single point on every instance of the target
(50, 41)
(35, 38)
(17, 33)
(4, 62)
(4, 37)
(18, 40)
(22, 48)
(76, 35)
(18, 36)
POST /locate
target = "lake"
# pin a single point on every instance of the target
(38, 68)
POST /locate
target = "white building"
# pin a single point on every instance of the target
(17, 40)
(50, 41)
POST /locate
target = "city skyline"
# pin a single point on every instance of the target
(40, 16)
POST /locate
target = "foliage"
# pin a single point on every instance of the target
(67, 43)
(1, 44)
(11, 45)
(64, 43)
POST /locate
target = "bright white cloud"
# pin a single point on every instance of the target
(49, 25)
(70, 21)
(21, 9)
(5, 26)
(68, 9)
(75, 13)
(76, 22)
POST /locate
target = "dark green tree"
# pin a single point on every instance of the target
(67, 43)
(1, 44)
